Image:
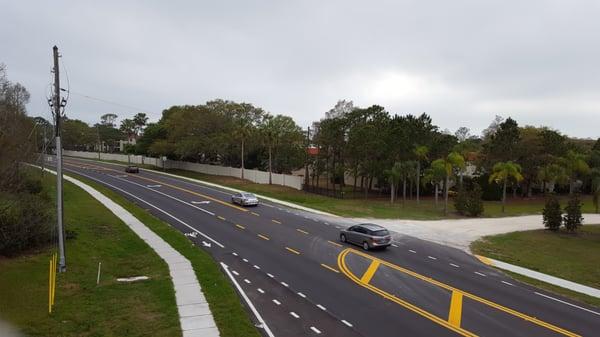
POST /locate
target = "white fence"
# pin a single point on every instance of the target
(257, 176)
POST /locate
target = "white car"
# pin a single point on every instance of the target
(244, 199)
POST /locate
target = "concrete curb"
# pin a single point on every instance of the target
(195, 317)
(281, 202)
(580, 288)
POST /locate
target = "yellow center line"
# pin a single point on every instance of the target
(220, 217)
(346, 271)
(334, 243)
(263, 237)
(455, 314)
(240, 226)
(292, 250)
(330, 268)
(368, 275)
(302, 231)
(275, 221)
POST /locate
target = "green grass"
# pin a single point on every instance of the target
(83, 308)
(379, 208)
(575, 257)
(228, 312)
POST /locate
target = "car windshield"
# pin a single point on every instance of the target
(380, 232)
(248, 195)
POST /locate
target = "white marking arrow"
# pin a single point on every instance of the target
(206, 244)
(201, 202)
(192, 234)
(153, 185)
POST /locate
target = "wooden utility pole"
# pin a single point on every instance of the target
(57, 105)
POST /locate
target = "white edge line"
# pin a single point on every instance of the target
(294, 314)
(346, 322)
(567, 303)
(149, 204)
(315, 330)
(245, 297)
(508, 283)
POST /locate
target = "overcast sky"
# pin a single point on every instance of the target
(462, 62)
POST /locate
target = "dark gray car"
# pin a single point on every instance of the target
(367, 235)
(244, 199)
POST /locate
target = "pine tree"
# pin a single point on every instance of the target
(552, 213)
(573, 218)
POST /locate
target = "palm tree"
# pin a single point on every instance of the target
(454, 161)
(421, 155)
(406, 168)
(574, 164)
(502, 173)
(270, 136)
(243, 131)
(435, 175)
(394, 174)
(596, 187)
(551, 173)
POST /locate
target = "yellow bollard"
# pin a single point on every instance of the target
(50, 288)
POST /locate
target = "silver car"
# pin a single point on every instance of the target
(244, 199)
(367, 235)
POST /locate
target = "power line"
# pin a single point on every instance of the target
(109, 102)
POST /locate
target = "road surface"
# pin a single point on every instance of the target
(304, 282)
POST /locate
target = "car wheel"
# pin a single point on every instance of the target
(343, 238)
(366, 245)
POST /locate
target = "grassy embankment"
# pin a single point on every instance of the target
(574, 257)
(373, 207)
(111, 309)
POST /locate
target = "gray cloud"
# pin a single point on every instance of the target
(462, 61)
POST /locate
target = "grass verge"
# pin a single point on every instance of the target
(228, 312)
(83, 308)
(573, 257)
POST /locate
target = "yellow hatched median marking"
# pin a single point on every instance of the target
(240, 226)
(263, 237)
(346, 271)
(368, 275)
(220, 217)
(292, 250)
(455, 314)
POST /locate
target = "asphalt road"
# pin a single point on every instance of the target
(303, 281)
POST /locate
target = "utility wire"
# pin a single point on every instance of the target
(110, 102)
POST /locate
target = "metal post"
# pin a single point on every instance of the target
(62, 264)
(306, 159)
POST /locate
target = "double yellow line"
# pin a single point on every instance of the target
(455, 312)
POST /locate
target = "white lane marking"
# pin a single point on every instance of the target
(169, 196)
(151, 205)
(508, 283)
(205, 202)
(321, 307)
(268, 205)
(235, 273)
(431, 257)
(302, 295)
(412, 251)
(285, 284)
(326, 223)
(151, 185)
(317, 331)
(276, 302)
(247, 281)
(454, 265)
(234, 254)
(567, 303)
(270, 275)
(256, 267)
(394, 245)
(294, 314)
(480, 274)
(245, 260)
(258, 316)
(346, 322)
(315, 220)
(260, 291)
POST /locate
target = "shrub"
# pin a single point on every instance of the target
(573, 218)
(469, 202)
(552, 213)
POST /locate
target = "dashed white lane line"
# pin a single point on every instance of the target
(567, 303)
(480, 274)
(256, 267)
(412, 251)
(285, 284)
(295, 315)
(508, 283)
(317, 331)
(270, 275)
(326, 223)
(247, 281)
(346, 322)
(260, 291)
(235, 273)
(245, 260)
(276, 302)
(234, 254)
(321, 307)
(302, 295)
(394, 245)
(454, 265)
(432, 257)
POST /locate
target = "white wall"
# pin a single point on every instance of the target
(257, 176)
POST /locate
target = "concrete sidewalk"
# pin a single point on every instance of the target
(194, 314)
